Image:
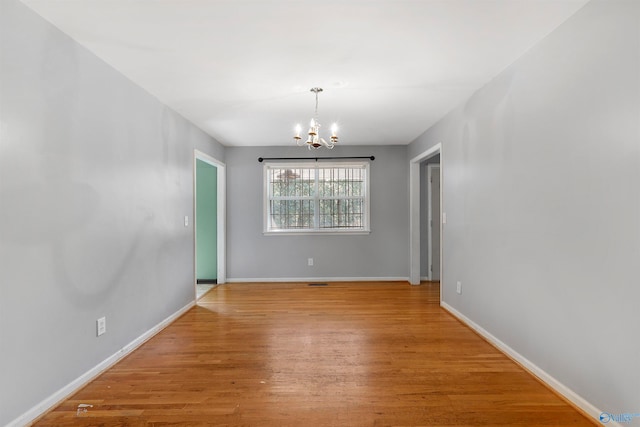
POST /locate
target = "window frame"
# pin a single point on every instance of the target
(366, 227)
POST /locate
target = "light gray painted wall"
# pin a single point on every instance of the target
(95, 180)
(542, 196)
(383, 253)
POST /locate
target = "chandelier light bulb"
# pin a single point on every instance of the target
(297, 136)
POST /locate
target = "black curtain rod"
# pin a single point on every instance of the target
(261, 159)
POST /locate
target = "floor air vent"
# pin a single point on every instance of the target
(318, 284)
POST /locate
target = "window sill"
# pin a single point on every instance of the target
(316, 233)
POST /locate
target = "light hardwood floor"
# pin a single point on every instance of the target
(348, 354)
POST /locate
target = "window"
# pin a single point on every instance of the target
(316, 198)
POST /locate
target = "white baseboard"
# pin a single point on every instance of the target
(533, 369)
(66, 391)
(315, 279)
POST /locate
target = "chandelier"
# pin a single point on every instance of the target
(314, 140)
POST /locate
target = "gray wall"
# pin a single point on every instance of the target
(96, 177)
(542, 196)
(382, 254)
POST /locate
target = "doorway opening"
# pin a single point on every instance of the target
(416, 187)
(209, 229)
(430, 222)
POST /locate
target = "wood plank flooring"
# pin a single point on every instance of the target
(346, 354)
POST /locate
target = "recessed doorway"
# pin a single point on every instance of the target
(209, 209)
(415, 219)
(433, 217)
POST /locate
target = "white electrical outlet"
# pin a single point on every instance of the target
(310, 262)
(186, 221)
(459, 287)
(101, 325)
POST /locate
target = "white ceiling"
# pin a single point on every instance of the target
(241, 69)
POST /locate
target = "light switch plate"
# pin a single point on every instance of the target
(101, 325)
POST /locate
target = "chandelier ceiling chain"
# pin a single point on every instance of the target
(314, 140)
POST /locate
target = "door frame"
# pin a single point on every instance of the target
(220, 214)
(430, 173)
(414, 213)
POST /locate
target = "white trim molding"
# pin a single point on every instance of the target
(578, 401)
(66, 391)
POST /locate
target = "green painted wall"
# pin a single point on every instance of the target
(206, 220)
